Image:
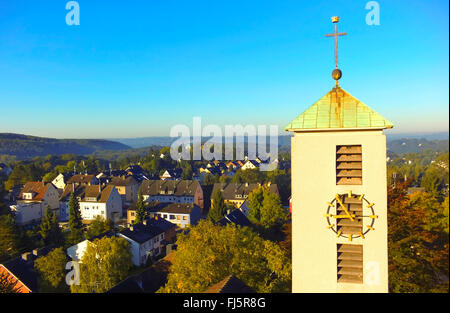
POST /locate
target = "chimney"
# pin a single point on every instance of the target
(26, 256)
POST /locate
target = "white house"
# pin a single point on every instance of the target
(33, 200)
(145, 241)
(99, 201)
(181, 215)
(60, 181)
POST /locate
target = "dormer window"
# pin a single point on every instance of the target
(28, 195)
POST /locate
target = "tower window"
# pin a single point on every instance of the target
(349, 165)
(349, 263)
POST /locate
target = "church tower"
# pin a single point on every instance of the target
(339, 195)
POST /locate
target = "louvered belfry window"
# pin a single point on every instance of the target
(349, 263)
(349, 165)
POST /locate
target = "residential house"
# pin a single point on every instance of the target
(33, 200)
(145, 241)
(250, 165)
(138, 173)
(78, 191)
(99, 201)
(171, 191)
(61, 180)
(128, 188)
(180, 214)
(236, 194)
(172, 174)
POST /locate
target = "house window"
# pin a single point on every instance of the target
(184, 218)
(172, 217)
(178, 217)
(349, 263)
(349, 165)
(132, 213)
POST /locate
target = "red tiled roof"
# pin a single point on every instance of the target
(38, 188)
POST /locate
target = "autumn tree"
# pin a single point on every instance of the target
(51, 268)
(218, 207)
(418, 242)
(98, 226)
(10, 237)
(209, 253)
(265, 208)
(105, 263)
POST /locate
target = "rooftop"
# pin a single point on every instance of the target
(338, 110)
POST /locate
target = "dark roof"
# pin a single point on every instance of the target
(169, 187)
(231, 191)
(180, 208)
(107, 234)
(24, 271)
(231, 284)
(80, 179)
(128, 285)
(235, 217)
(141, 233)
(174, 172)
(135, 170)
(123, 181)
(160, 223)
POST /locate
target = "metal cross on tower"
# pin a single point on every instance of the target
(337, 74)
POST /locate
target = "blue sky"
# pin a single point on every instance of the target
(136, 68)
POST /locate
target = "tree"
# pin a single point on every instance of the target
(75, 221)
(218, 207)
(50, 176)
(106, 262)
(49, 229)
(10, 237)
(140, 209)
(98, 226)
(418, 242)
(209, 253)
(187, 172)
(8, 285)
(52, 270)
(265, 209)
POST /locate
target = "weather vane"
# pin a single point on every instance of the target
(337, 73)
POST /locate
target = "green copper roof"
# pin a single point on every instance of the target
(338, 110)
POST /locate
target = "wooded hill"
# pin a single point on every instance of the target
(23, 146)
